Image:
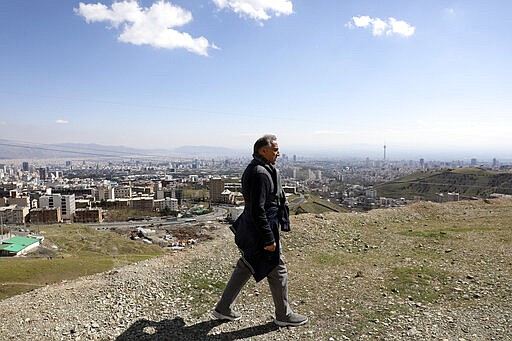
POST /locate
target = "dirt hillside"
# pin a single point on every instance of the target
(423, 272)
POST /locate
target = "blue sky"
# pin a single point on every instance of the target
(422, 76)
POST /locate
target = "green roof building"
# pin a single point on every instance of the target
(18, 245)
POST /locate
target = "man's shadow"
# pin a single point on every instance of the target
(176, 330)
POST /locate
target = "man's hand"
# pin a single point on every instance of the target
(270, 248)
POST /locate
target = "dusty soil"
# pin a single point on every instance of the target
(422, 272)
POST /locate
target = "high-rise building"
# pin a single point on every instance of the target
(42, 173)
(24, 166)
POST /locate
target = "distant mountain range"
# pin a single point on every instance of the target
(23, 150)
(11, 149)
(207, 151)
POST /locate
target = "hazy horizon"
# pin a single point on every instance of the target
(340, 152)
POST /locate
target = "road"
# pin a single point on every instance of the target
(297, 201)
(158, 222)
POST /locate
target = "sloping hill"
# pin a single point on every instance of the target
(469, 182)
(314, 204)
(422, 272)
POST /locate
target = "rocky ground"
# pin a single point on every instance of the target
(424, 272)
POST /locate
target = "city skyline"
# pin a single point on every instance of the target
(420, 78)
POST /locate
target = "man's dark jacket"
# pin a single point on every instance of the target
(265, 211)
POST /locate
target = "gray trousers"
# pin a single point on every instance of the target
(277, 281)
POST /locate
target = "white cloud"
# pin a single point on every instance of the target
(61, 121)
(152, 26)
(390, 27)
(400, 27)
(257, 9)
(3, 123)
(379, 26)
(362, 21)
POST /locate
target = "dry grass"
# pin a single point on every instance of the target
(80, 251)
(355, 275)
(369, 266)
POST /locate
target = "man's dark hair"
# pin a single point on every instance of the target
(264, 141)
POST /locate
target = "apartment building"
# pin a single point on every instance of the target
(122, 192)
(82, 203)
(104, 193)
(216, 189)
(45, 215)
(13, 214)
(88, 215)
(169, 203)
(172, 204)
(65, 202)
(19, 201)
(142, 204)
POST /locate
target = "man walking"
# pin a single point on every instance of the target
(257, 236)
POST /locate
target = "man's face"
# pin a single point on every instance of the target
(270, 153)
